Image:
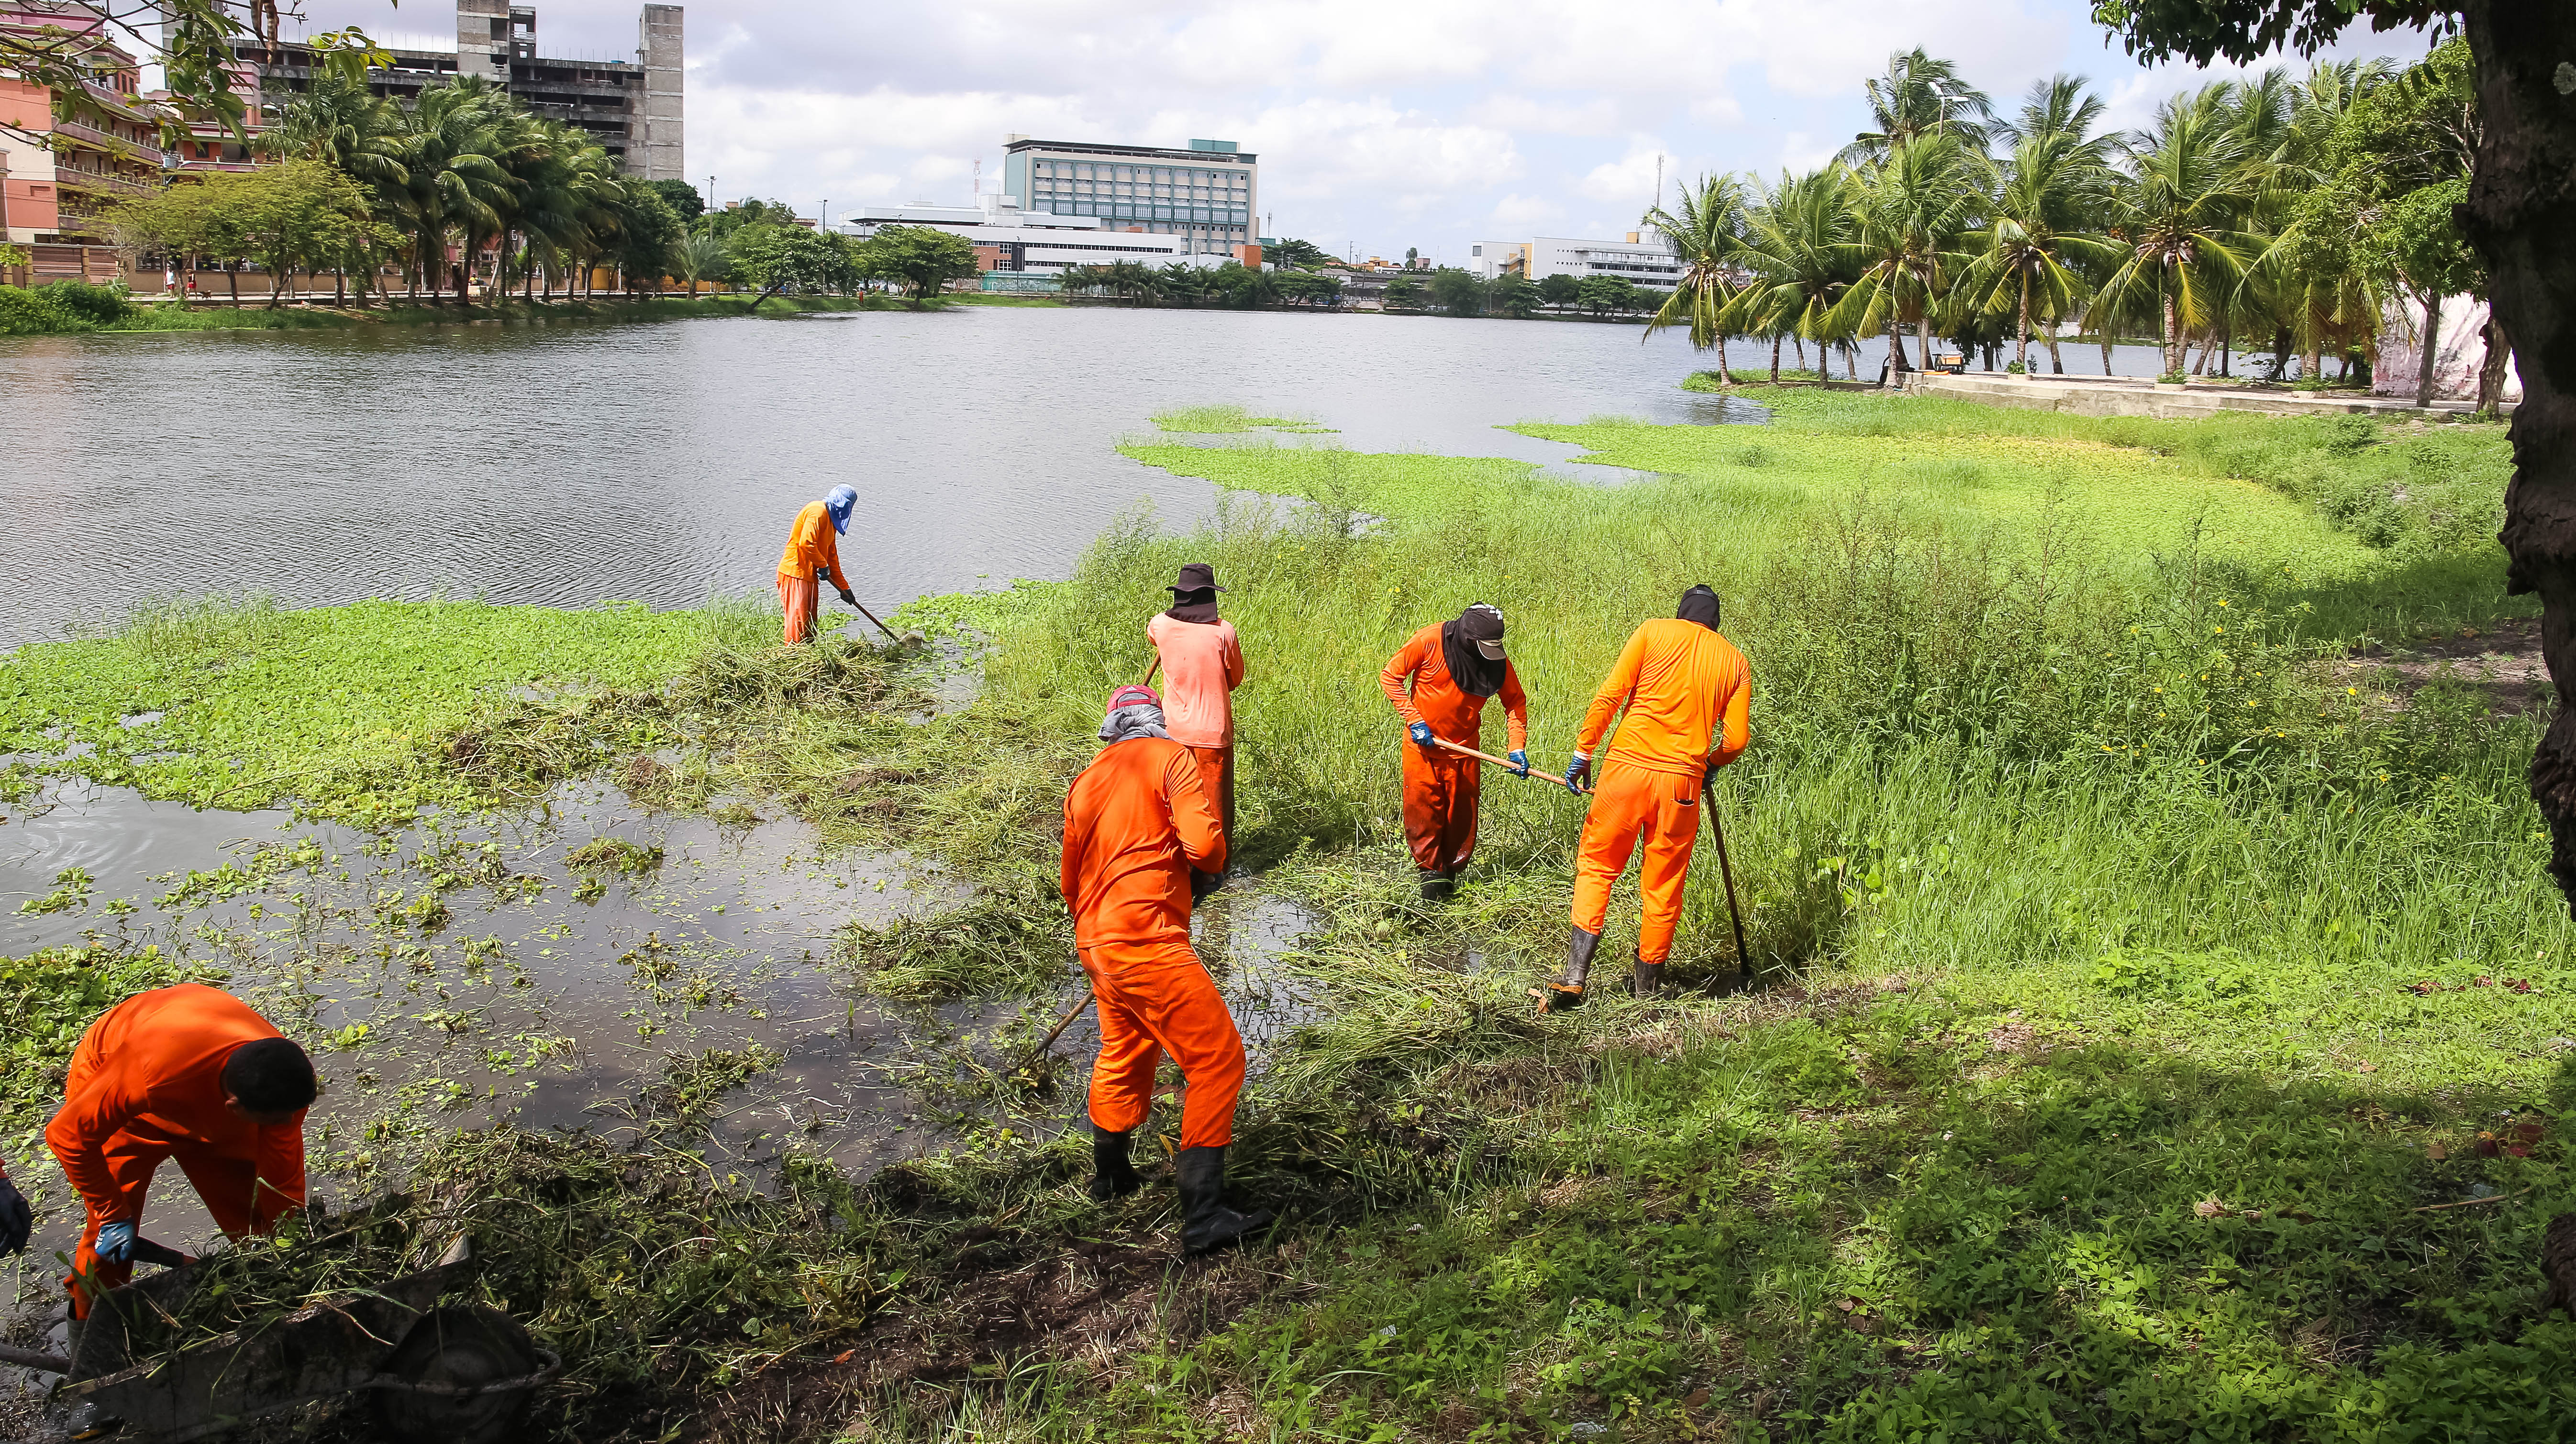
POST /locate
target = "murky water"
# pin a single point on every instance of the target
(531, 990)
(576, 462)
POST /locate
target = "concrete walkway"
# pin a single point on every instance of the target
(2125, 396)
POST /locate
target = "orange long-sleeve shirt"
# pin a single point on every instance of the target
(1136, 822)
(1687, 693)
(1202, 665)
(1453, 712)
(152, 1068)
(812, 544)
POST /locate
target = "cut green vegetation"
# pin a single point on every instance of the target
(1227, 420)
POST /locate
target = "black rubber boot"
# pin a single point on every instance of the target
(1647, 980)
(1567, 996)
(1206, 1223)
(1112, 1176)
(1437, 886)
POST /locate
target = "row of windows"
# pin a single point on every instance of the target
(1148, 174)
(1123, 209)
(1044, 190)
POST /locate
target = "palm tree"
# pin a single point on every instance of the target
(340, 122)
(1911, 208)
(1793, 235)
(1919, 96)
(2033, 233)
(1706, 236)
(700, 257)
(2062, 105)
(445, 143)
(2180, 216)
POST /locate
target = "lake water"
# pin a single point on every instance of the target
(577, 462)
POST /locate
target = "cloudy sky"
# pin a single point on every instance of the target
(1427, 123)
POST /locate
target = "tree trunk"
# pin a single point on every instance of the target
(1896, 366)
(232, 280)
(2432, 337)
(2056, 362)
(2520, 212)
(2280, 353)
(1724, 376)
(276, 290)
(340, 286)
(2174, 345)
(1923, 338)
(1776, 339)
(2491, 368)
(1801, 345)
(2021, 328)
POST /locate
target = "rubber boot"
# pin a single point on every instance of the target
(1206, 1223)
(1437, 886)
(1567, 996)
(1647, 980)
(1112, 1176)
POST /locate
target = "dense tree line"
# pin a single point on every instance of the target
(1181, 284)
(464, 187)
(2277, 213)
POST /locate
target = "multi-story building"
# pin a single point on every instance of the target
(632, 107)
(1207, 194)
(1010, 239)
(1649, 263)
(53, 190)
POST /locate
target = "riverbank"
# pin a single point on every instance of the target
(2147, 917)
(212, 314)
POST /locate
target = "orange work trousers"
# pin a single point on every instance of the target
(1216, 775)
(1664, 809)
(1156, 998)
(1440, 796)
(801, 600)
(228, 1182)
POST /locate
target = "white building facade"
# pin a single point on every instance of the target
(1648, 263)
(1208, 194)
(1039, 242)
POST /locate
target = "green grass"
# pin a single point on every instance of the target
(2141, 967)
(216, 314)
(1223, 419)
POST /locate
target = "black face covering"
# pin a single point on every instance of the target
(1469, 668)
(1198, 606)
(1699, 604)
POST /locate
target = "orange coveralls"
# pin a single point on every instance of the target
(1441, 789)
(1202, 665)
(147, 1084)
(1135, 824)
(812, 545)
(1681, 683)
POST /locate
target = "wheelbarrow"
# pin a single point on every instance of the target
(460, 1374)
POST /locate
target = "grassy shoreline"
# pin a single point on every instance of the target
(153, 318)
(2145, 950)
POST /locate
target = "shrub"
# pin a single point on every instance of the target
(98, 305)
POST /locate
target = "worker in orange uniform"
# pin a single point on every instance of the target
(1686, 692)
(190, 1073)
(1453, 666)
(17, 1220)
(813, 553)
(1138, 830)
(1202, 664)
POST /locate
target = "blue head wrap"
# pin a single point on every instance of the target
(838, 502)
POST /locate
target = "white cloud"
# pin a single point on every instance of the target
(1377, 125)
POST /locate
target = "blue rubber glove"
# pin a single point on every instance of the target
(1520, 763)
(17, 1220)
(116, 1242)
(1578, 773)
(1421, 732)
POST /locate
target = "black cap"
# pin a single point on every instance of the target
(1196, 577)
(1699, 604)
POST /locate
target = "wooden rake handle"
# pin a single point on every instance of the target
(1506, 764)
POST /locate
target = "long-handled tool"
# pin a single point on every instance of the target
(1508, 765)
(1150, 671)
(1726, 870)
(1058, 1030)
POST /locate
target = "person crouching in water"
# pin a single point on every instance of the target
(1682, 694)
(814, 553)
(1137, 825)
(1453, 667)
